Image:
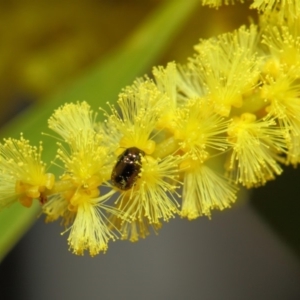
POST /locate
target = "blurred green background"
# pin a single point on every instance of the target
(45, 45)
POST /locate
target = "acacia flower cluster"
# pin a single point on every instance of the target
(177, 144)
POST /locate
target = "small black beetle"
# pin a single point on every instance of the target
(127, 168)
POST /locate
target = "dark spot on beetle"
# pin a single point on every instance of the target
(127, 169)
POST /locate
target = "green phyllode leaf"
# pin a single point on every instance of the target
(99, 85)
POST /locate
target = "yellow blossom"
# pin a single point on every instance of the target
(199, 129)
(281, 81)
(289, 9)
(286, 8)
(71, 118)
(205, 190)
(90, 230)
(283, 44)
(228, 67)
(257, 145)
(282, 93)
(87, 164)
(23, 173)
(87, 161)
(84, 213)
(140, 106)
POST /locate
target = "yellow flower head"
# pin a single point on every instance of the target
(86, 160)
(281, 81)
(200, 130)
(140, 106)
(87, 164)
(84, 157)
(282, 93)
(23, 173)
(228, 67)
(205, 190)
(283, 44)
(286, 9)
(72, 118)
(257, 145)
(85, 213)
(90, 230)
